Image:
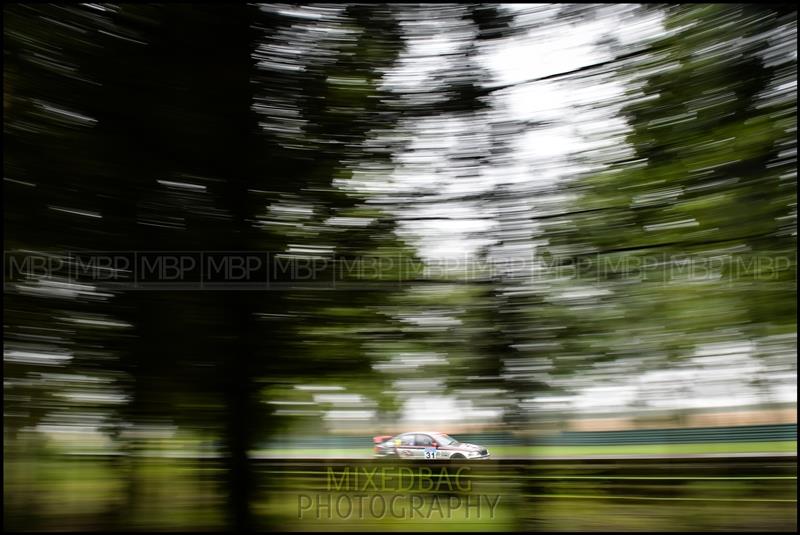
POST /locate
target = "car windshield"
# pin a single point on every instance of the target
(446, 440)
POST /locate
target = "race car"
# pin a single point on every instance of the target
(430, 445)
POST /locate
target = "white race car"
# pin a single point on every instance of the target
(430, 445)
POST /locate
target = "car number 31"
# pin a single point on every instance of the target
(430, 453)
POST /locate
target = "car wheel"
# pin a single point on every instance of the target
(457, 457)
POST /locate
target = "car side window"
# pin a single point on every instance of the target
(406, 440)
(424, 440)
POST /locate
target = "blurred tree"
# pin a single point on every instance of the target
(670, 229)
(163, 136)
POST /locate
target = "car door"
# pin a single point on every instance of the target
(405, 446)
(425, 447)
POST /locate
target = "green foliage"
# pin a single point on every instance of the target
(705, 193)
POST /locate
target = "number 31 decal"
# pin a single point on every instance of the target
(430, 453)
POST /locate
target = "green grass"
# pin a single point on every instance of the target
(573, 451)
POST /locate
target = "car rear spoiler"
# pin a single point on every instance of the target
(381, 438)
